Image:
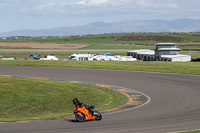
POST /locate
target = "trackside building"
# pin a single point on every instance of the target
(163, 52)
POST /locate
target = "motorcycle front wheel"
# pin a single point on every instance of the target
(98, 117)
(80, 118)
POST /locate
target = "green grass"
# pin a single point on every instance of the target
(190, 46)
(190, 41)
(118, 47)
(193, 54)
(58, 54)
(79, 40)
(28, 99)
(191, 68)
(66, 54)
(26, 54)
(191, 132)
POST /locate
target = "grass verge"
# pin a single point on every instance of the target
(191, 68)
(191, 132)
(28, 99)
(118, 47)
(65, 54)
(58, 54)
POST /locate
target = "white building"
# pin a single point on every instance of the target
(163, 52)
(142, 54)
(182, 58)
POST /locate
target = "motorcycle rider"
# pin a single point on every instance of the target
(81, 104)
(76, 102)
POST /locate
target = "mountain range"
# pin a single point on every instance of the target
(125, 26)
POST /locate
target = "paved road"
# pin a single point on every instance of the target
(174, 105)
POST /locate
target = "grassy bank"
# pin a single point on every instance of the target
(191, 132)
(118, 47)
(122, 41)
(58, 54)
(131, 38)
(66, 54)
(25, 99)
(191, 68)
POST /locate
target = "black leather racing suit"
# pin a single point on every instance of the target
(86, 106)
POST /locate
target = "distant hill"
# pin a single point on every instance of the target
(197, 30)
(178, 25)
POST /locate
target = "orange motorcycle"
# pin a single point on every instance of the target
(82, 114)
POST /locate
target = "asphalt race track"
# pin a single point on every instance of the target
(174, 104)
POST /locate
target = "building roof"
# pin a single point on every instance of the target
(166, 44)
(169, 49)
(150, 52)
(139, 50)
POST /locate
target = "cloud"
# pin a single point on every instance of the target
(19, 14)
(43, 7)
(92, 2)
(88, 7)
(84, 7)
(102, 7)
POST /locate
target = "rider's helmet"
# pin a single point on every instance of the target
(75, 101)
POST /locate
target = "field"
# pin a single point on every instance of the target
(41, 46)
(65, 54)
(191, 132)
(118, 46)
(58, 54)
(191, 68)
(186, 41)
(189, 42)
(30, 108)
(28, 99)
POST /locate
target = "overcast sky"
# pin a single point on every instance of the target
(44, 14)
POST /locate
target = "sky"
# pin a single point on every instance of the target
(45, 14)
